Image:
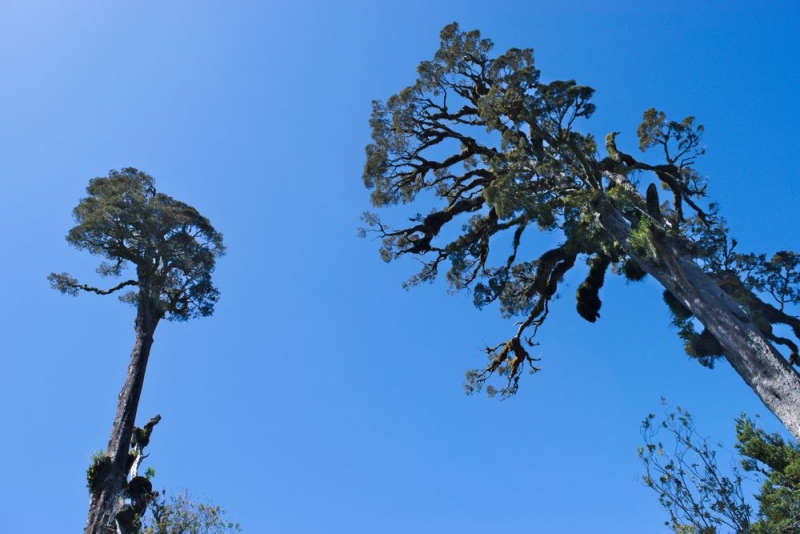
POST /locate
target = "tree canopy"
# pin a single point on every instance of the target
(180, 514)
(171, 246)
(494, 153)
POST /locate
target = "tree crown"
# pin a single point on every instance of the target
(173, 248)
(495, 150)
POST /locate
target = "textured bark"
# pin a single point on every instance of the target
(748, 351)
(104, 505)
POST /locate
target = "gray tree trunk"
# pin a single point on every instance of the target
(748, 351)
(105, 504)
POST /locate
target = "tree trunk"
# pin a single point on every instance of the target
(748, 351)
(105, 504)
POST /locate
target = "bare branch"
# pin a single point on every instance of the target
(68, 285)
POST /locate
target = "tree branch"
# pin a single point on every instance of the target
(68, 285)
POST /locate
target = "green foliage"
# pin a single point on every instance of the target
(698, 494)
(172, 248)
(680, 141)
(97, 471)
(777, 461)
(686, 476)
(179, 514)
(643, 239)
(779, 276)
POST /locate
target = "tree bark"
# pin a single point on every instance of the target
(105, 504)
(748, 351)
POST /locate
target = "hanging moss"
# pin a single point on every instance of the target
(632, 271)
(705, 347)
(588, 298)
(140, 491)
(678, 310)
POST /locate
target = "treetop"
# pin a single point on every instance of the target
(173, 248)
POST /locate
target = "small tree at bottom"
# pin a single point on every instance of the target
(702, 497)
(144, 511)
(179, 514)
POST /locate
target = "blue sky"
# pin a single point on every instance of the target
(322, 397)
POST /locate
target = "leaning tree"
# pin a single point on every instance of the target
(173, 250)
(497, 153)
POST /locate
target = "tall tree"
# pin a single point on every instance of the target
(497, 152)
(173, 250)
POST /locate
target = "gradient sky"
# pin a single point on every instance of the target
(322, 397)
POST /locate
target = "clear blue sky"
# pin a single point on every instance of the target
(321, 397)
